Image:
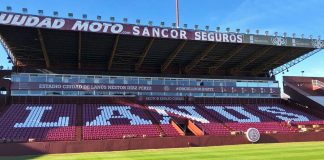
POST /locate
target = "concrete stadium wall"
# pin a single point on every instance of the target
(38, 148)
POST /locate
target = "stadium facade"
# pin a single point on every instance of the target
(85, 85)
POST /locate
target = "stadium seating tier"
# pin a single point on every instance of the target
(57, 122)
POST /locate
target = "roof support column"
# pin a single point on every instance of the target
(172, 56)
(43, 46)
(252, 58)
(79, 51)
(227, 57)
(143, 55)
(272, 62)
(112, 55)
(200, 57)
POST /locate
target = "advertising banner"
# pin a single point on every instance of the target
(139, 88)
(16, 19)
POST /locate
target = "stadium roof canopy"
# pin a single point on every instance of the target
(84, 45)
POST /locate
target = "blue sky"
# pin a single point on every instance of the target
(291, 16)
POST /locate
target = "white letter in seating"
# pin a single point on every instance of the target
(124, 112)
(282, 114)
(162, 110)
(36, 114)
(221, 110)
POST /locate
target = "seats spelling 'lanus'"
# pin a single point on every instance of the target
(223, 111)
(107, 113)
(116, 121)
(192, 114)
(35, 115)
(39, 122)
(58, 122)
(282, 114)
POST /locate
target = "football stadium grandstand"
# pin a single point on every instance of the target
(82, 85)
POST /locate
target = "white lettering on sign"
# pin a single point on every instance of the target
(49, 86)
(218, 37)
(183, 34)
(6, 19)
(193, 89)
(19, 20)
(115, 28)
(97, 27)
(165, 33)
(72, 86)
(164, 98)
(136, 30)
(159, 32)
(31, 21)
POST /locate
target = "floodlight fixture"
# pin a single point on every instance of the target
(9, 9)
(162, 24)
(138, 21)
(125, 20)
(217, 29)
(266, 33)
(55, 13)
(70, 15)
(285, 34)
(41, 12)
(196, 27)
(206, 28)
(174, 25)
(112, 19)
(247, 31)
(24, 10)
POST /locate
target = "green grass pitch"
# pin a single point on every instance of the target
(273, 151)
